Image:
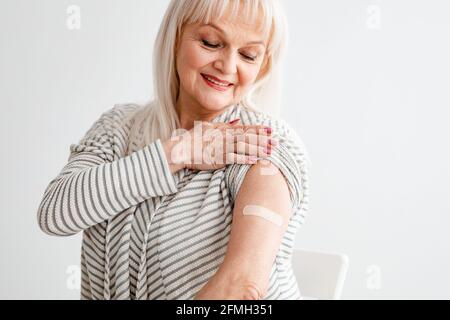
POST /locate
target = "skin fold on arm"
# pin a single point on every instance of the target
(254, 240)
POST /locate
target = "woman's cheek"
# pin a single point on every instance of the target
(248, 75)
(190, 64)
(198, 58)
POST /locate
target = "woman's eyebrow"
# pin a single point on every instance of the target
(223, 31)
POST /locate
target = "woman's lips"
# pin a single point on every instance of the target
(216, 86)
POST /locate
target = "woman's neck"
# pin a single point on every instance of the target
(189, 113)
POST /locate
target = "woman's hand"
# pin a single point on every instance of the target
(212, 146)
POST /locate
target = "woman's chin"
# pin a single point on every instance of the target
(216, 105)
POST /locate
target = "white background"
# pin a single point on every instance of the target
(366, 85)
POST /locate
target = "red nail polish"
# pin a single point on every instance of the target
(269, 130)
(234, 121)
(253, 159)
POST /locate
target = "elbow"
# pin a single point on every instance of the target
(44, 225)
(46, 229)
(44, 219)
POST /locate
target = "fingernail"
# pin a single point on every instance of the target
(235, 121)
(269, 130)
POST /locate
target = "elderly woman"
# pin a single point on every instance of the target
(197, 195)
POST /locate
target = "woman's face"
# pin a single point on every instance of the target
(231, 53)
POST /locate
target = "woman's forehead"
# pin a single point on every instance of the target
(240, 30)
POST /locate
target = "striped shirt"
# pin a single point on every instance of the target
(151, 234)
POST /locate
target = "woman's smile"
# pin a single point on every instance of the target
(218, 85)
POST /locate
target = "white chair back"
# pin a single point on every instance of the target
(320, 275)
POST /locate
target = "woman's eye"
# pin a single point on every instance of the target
(218, 45)
(249, 57)
(206, 43)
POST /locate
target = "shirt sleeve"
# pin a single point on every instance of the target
(290, 158)
(96, 184)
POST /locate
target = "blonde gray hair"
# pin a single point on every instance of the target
(158, 119)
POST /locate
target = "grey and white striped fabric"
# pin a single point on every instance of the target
(151, 234)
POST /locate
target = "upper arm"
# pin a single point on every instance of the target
(276, 184)
(255, 238)
(264, 185)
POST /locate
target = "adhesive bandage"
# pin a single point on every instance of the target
(252, 210)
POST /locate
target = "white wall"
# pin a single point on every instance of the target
(366, 86)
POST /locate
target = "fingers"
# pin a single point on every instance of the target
(260, 129)
(255, 134)
(256, 139)
(255, 129)
(260, 146)
(251, 149)
(231, 142)
(232, 158)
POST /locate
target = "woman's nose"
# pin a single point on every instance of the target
(226, 63)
